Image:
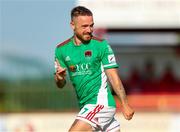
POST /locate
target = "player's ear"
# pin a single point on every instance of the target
(72, 25)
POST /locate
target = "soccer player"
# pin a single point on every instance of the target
(90, 62)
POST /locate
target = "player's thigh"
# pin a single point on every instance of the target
(79, 125)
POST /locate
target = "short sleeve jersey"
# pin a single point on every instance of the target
(85, 64)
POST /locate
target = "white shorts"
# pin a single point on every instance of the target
(101, 118)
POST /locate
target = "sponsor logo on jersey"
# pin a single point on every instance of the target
(72, 68)
(88, 53)
(111, 59)
(80, 69)
(83, 67)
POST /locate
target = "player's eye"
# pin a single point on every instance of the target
(92, 25)
(84, 26)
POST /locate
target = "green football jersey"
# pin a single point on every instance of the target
(85, 64)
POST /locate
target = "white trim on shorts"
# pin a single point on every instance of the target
(114, 128)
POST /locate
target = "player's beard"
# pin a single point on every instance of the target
(84, 38)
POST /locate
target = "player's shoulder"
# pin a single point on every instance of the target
(100, 42)
(63, 43)
(97, 39)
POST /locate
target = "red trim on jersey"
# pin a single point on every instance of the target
(94, 112)
(63, 43)
(96, 38)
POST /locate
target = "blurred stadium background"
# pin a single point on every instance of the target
(145, 36)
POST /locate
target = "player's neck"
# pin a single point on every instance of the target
(77, 41)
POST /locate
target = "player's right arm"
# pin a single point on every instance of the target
(60, 75)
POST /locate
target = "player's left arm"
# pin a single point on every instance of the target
(117, 86)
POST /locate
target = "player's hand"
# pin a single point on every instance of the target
(128, 112)
(60, 72)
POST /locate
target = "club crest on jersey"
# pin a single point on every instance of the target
(88, 53)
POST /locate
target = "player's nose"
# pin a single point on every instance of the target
(89, 30)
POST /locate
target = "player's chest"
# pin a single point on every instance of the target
(81, 59)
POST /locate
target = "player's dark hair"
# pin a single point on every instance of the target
(80, 11)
